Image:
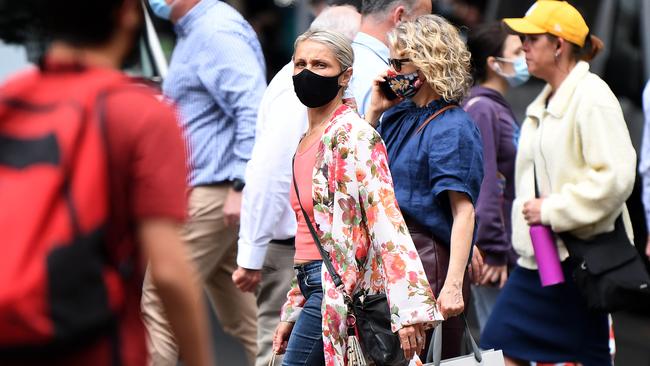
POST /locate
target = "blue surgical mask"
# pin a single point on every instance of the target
(161, 8)
(404, 85)
(521, 74)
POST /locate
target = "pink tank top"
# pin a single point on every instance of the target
(304, 163)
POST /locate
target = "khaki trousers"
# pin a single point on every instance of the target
(277, 274)
(212, 247)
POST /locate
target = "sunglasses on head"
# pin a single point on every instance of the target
(396, 63)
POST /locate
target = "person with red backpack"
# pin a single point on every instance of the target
(92, 187)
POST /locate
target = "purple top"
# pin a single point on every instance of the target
(499, 133)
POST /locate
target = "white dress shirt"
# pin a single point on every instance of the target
(266, 213)
(644, 164)
(370, 60)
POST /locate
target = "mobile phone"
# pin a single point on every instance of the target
(387, 90)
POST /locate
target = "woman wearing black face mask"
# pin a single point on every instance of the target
(435, 155)
(342, 183)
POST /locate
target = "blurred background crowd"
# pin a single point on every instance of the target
(623, 25)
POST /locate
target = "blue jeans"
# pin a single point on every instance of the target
(484, 298)
(305, 347)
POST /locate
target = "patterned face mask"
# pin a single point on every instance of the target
(404, 85)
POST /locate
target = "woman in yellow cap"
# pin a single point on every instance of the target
(575, 143)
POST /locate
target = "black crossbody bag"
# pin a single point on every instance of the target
(610, 274)
(371, 314)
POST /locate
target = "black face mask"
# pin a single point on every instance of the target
(315, 90)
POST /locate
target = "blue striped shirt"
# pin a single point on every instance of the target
(217, 79)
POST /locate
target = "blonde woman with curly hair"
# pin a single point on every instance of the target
(435, 155)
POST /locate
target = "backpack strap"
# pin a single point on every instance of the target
(126, 261)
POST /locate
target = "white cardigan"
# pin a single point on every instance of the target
(585, 162)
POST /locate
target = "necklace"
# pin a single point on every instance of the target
(315, 128)
(321, 123)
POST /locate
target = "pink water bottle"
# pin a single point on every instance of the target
(548, 260)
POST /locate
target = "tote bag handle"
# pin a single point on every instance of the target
(434, 354)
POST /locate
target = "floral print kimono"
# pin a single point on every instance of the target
(360, 225)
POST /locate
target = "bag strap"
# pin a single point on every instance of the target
(618, 224)
(272, 360)
(92, 107)
(126, 263)
(433, 116)
(434, 354)
(537, 195)
(423, 125)
(323, 253)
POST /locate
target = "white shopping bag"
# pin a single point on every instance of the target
(476, 358)
(488, 358)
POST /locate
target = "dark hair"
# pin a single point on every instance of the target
(380, 6)
(592, 47)
(484, 41)
(13, 17)
(79, 22)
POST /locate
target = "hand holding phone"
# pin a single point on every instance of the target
(382, 97)
(387, 90)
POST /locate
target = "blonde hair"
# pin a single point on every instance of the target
(436, 49)
(341, 46)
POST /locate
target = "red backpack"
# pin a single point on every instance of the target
(59, 285)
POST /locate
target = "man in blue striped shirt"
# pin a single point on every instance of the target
(217, 78)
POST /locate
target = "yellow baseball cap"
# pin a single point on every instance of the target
(558, 18)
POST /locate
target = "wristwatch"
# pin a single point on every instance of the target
(238, 184)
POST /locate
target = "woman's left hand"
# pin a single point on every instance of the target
(412, 339)
(281, 337)
(450, 301)
(533, 211)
